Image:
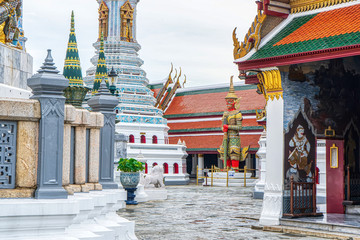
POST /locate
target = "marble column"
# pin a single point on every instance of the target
(105, 103)
(194, 164)
(47, 87)
(274, 182)
(201, 164)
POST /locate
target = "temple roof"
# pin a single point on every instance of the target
(210, 144)
(211, 101)
(309, 36)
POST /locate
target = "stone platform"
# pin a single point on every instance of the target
(336, 223)
(82, 216)
(235, 179)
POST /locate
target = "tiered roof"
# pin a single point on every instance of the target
(72, 68)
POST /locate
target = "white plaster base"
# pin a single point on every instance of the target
(234, 181)
(156, 194)
(141, 195)
(82, 216)
(272, 205)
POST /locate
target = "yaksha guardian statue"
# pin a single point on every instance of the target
(10, 11)
(230, 150)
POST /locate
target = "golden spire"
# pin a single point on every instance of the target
(231, 94)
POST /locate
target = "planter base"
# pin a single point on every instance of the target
(131, 196)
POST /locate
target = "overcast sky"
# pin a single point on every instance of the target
(193, 34)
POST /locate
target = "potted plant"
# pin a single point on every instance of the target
(130, 172)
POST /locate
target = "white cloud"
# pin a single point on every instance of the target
(193, 34)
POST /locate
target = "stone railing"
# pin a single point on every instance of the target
(19, 127)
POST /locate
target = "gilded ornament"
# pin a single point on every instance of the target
(298, 6)
(127, 16)
(270, 84)
(252, 38)
(103, 19)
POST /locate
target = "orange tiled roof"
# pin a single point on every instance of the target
(214, 141)
(213, 102)
(207, 124)
(326, 24)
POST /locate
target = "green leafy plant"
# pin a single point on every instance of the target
(130, 165)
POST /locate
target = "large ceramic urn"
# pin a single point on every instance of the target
(129, 179)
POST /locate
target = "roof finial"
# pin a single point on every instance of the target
(49, 65)
(72, 29)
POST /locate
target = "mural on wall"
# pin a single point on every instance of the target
(327, 91)
(300, 149)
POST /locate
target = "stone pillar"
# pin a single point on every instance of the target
(105, 103)
(194, 164)
(69, 118)
(261, 153)
(201, 164)
(47, 86)
(274, 182)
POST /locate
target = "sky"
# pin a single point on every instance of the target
(195, 35)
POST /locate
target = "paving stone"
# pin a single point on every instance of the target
(201, 213)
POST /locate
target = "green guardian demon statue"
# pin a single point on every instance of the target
(230, 150)
(10, 11)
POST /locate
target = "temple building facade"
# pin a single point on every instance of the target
(303, 56)
(194, 117)
(137, 116)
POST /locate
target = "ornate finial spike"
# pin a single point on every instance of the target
(72, 21)
(49, 65)
(231, 94)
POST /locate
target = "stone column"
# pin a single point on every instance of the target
(194, 164)
(105, 103)
(201, 164)
(47, 86)
(261, 153)
(274, 182)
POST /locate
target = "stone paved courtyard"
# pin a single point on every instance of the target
(201, 213)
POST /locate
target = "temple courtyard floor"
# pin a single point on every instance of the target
(201, 213)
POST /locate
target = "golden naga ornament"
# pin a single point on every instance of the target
(252, 38)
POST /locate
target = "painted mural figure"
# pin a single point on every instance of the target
(10, 11)
(232, 124)
(298, 158)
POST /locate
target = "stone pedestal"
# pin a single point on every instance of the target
(274, 182)
(16, 66)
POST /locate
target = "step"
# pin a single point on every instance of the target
(338, 223)
(308, 232)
